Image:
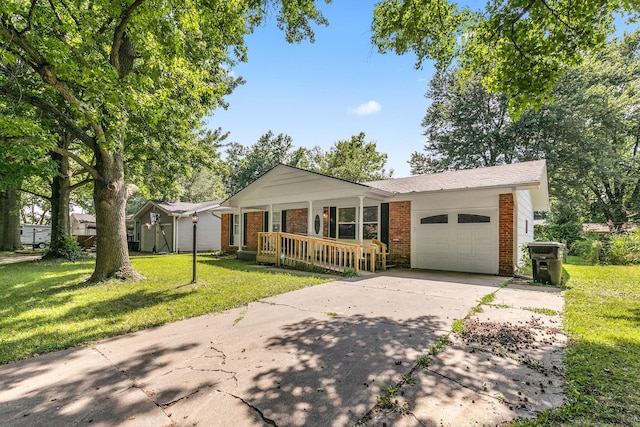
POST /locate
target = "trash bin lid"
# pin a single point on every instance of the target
(543, 244)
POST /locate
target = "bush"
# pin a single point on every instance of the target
(589, 249)
(567, 233)
(67, 248)
(624, 249)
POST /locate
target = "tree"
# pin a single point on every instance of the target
(594, 146)
(354, 160)
(246, 164)
(520, 47)
(129, 81)
(590, 135)
(466, 127)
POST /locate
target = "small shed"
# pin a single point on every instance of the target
(167, 227)
(82, 224)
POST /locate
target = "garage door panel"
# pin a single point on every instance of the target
(468, 247)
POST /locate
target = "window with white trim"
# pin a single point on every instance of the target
(370, 222)
(346, 223)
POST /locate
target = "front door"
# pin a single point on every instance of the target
(316, 223)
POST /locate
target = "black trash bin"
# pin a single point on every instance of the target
(546, 258)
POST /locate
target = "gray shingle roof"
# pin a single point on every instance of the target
(516, 174)
(181, 207)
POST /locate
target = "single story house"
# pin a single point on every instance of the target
(473, 220)
(167, 227)
(82, 224)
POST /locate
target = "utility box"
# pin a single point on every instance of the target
(546, 259)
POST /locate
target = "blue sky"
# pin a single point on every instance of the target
(322, 92)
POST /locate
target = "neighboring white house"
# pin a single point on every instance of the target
(82, 224)
(474, 220)
(167, 227)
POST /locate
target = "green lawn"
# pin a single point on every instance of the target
(602, 315)
(47, 306)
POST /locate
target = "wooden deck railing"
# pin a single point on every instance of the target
(292, 250)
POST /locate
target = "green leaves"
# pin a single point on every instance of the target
(518, 46)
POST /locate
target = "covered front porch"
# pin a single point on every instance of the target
(300, 217)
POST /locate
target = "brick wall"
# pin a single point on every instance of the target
(224, 234)
(254, 226)
(297, 221)
(505, 235)
(400, 233)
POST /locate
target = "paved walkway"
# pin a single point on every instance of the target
(19, 258)
(320, 356)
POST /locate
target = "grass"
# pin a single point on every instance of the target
(602, 315)
(46, 306)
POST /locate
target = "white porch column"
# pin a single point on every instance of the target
(270, 220)
(360, 219)
(241, 234)
(310, 218)
(175, 234)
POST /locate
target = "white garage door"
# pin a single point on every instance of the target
(456, 240)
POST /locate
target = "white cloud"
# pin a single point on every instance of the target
(366, 108)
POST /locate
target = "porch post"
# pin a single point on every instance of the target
(270, 221)
(360, 219)
(241, 236)
(310, 218)
(175, 234)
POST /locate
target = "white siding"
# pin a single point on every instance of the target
(524, 212)
(208, 233)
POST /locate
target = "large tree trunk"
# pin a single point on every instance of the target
(60, 195)
(110, 196)
(9, 220)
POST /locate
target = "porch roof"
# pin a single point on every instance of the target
(284, 184)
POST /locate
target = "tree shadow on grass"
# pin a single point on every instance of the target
(82, 324)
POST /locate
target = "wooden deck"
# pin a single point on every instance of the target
(293, 250)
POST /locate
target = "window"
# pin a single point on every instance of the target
(347, 223)
(435, 219)
(370, 222)
(472, 219)
(275, 220)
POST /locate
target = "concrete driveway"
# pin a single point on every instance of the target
(320, 356)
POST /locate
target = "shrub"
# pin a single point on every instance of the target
(624, 249)
(567, 232)
(589, 249)
(67, 248)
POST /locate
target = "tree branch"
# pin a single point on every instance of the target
(47, 72)
(119, 34)
(35, 194)
(52, 112)
(80, 183)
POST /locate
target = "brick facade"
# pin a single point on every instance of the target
(296, 221)
(400, 233)
(506, 234)
(254, 225)
(224, 234)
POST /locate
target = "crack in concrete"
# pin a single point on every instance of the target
(173, 402)
(416, 418)
(222, 354)
(264, 418)
(499, 399)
